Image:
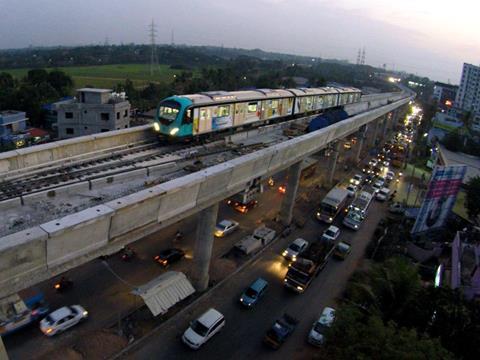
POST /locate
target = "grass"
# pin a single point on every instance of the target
(106, 76)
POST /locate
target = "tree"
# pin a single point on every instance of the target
(472, 201)
(355, 335)
(60, 81)
(37, 76)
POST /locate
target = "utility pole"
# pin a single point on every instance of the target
(153, 54)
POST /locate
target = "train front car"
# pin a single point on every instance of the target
(173, 117)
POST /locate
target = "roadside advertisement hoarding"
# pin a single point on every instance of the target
(440, 198)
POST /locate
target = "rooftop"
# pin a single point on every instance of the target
(94, 90)
(10, 112)
(457, 158)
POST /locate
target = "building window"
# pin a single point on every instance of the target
(105, 116)
(125, 113)
(104, 130)
(69, 115)
(85, 128)
(69, 131)
(126, 126)
(118, 115)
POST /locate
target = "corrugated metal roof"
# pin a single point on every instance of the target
(163, 292)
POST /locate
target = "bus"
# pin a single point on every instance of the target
(332, 204)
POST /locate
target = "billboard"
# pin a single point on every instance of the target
(440, 198)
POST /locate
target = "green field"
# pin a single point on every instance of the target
(106, 76)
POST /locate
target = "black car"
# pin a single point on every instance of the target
(169, 256)
(368, 179)
(241, 207)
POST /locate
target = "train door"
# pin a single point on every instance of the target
(205, 120)
(240, 113)
(254, 111)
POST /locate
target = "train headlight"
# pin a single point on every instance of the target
(174, 131)
(156, 126)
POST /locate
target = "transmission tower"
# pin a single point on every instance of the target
(362, 61)
(172, 40)
(359, 56)
(153, 54)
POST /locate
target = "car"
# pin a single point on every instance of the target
(367, 170)
(316, 335)
(203, 329)
(368, 179)
(356, 179)
(382, 194)
(62, 319)
(390, 176)
(294, 249)
(282, 189)
(169, 256)
(347, 145)
(342, 249)
(377, 170)
(351, 189)
(396, 208)
(253, 293)
(381, 179)
(331, 234)
(373, 162)
(225, 227)
(377, 185)
(241, 207)
(280, 331)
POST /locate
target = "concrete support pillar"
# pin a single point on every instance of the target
(3, 352)
(333, 163)
(361, 139)
(384, 126)
(375, 132)
(203, 246)
(286, 210)
(396, 116)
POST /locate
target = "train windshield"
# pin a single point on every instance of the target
(168, 111)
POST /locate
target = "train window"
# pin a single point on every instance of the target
(187, 118)
(252, 107)
(223, 110)
(167, 111)
(274, 104)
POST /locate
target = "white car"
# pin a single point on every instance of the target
(377, 186)
(294, 249)
(62, 319)
(331, 234)
(316, 336)
(382, 194)
(203, 329)
(352, 190)
(225, 227)
(356, 179)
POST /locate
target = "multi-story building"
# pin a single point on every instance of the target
(468, 95)
(444, 95)
(12, 129)
(93, 111)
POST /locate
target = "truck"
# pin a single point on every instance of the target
(16, 313)
(252, 243)
(332, 204)
(357, 211)
(249, 194)
(309, 263)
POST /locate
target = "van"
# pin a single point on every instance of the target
(316, 336)
(254, 292)
(202, 329)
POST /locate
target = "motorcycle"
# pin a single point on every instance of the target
(128, 254)
(63, 284)
(271, 182)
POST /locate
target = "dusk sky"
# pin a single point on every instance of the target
(427, 37)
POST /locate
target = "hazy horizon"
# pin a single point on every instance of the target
(428, 38)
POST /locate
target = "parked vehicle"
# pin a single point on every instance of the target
(252, 295)
(280, 331)
(203, 329)
(63, 284)
(169, 256)
(331, 234)
(342, 249)
(332, 204)
(62, 319)
(294, 249)
(128, 253)
(252, 243)
(301, 272)
(396, 208)
(18, 313)
(316, 336)
(383, 194)
(377, 185)
(356, 179)
(225, 227)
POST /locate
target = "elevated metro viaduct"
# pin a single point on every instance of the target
(41, 252)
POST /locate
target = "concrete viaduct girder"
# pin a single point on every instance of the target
(36, 254)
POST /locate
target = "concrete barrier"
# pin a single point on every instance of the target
(71, 189)
(10, 203)
(158, 170)
(22, 259)
(72, 238)
(129, 176)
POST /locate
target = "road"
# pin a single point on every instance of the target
(107, 298)
(242, 336)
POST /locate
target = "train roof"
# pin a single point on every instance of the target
(215, 97)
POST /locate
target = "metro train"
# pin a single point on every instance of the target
(196, 115)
